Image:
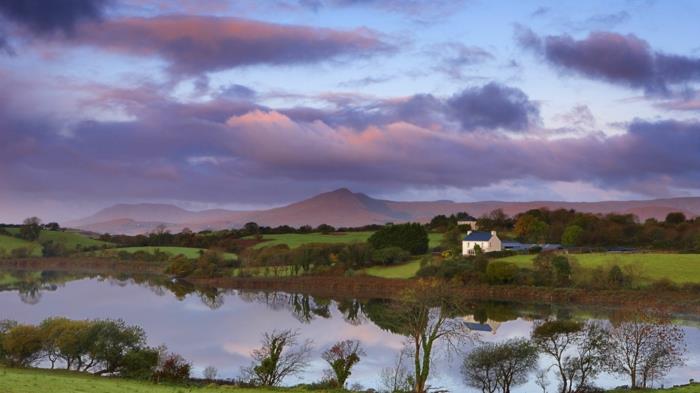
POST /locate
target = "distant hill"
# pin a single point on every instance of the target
(343, 207)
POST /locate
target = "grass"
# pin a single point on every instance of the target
(405, 270)
(679, 268)
(294, 240)
(9, 243)
(694, 388)
(70, 241)
(41, 381)
(189, 252)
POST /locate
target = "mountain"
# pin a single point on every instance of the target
(343, 207)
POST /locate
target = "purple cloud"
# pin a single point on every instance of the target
(193, 45)
(494, 106)
(46, 17)
(625, 60)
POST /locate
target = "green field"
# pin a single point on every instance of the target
(70, 240)
(189, 252)
(679, 268)
(42, 381)
(405, 270)
(294, 240)
(9, 243)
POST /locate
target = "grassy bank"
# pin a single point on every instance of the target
(9, 243)
(294, 240)
(41, 381)
(405, 270)
(679, 268)
(189, 252)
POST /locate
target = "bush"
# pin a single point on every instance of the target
(500, 272)
(412, 237)
(22, 345)
(390, 255)
(172, 368)
(21, 252)
(140, 364)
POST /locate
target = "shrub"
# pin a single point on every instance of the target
(172, 368)
(140, 363)
(500, 272)
(390, 255)
(22, 345)
(21, 252)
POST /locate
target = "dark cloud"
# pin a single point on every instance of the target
(620, 59)
(494, 106)
(197, 44)
(46, 17)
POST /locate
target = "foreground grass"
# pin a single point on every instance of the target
(695, 388)
(679, 268)
(188, 252)
(406, 270)
(41, 381)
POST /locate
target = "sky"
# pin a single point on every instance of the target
(252, 104)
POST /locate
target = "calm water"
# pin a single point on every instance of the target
(221, 328)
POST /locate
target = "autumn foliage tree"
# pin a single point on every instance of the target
(342, 357)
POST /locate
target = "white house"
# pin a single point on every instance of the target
(468, 220)
(487, 241)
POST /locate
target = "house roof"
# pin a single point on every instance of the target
(467, 218)
(478, 236)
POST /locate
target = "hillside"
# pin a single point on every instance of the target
(343, 207)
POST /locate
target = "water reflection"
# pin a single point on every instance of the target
(220, 328)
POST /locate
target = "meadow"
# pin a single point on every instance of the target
(40, 381)
(188, 252)
(9, 243)
(294, 240)
(37, 381)
(679, 268)
(404, 270)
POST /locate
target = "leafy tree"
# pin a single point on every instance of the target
(579, 351)
(572, 235)
(140, 363)
(22, 345)
(53, 226)
(555, 339)
(342, 357)
(325, 229)
(278, 358)
(675, 218)
(562, 270)
(31, 229)
(412, 237)
(452, 239)
(616, 278)
(531, 228)
(492, 367)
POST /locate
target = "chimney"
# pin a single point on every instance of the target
(493, 233)
(469, 233)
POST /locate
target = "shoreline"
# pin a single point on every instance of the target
(367, 287)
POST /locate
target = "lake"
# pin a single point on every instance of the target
(221, 328)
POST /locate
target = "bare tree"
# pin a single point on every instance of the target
(555, 338)
(480, 369)
(541, 379)
(397, 379)
(645, 345)
(210, 373)
(426, 317)
(277, 358)
(342, 357)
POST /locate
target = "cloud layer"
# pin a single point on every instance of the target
(620, 59)
(193, 45)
